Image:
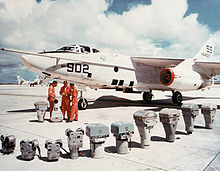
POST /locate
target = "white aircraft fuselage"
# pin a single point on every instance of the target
(98, 71)
(106, 71)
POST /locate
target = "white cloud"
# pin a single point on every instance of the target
(158, 29)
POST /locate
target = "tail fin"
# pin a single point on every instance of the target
(39, 79)
(207, 50)
(20, 80)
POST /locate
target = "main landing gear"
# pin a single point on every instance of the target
(82, 103)
(147, 96)
(177, 97)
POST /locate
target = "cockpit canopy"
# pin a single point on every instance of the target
(78, 49)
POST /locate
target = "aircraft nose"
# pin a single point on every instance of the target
(25, 61)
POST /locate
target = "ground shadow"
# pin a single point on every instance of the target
(35, 121)
(65, 155)
(45, 159)
(85, 153)
(157, 138)
(185, 98)
(110, 149)
(3, 153)
(25, 110)
(180, 133)
(113, 101)
(20, 158)
(134, 144)
(48, 120)
(199, 127)
(194, 98)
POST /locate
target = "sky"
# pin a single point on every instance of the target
(131, 27)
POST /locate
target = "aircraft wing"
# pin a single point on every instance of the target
(56, 57)
(212, 66)
(159, 62)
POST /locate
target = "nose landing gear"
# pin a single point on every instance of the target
(82, 102)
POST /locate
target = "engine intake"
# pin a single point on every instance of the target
(167, 76)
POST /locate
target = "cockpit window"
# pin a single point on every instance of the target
(78, 49)
(67, 48)
(85, 49)
(95, 51)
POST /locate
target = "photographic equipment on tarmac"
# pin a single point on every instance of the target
(57, 115)
(8, 143)
(55, 101)
(41, 108)
(145, 121)
(28, 149)
(97, 133)
(122, 131)
(53, 149)
(75, 141)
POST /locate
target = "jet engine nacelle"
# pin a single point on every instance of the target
(180, 80)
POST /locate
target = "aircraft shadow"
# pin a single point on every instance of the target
(113, 101)
(185, 98)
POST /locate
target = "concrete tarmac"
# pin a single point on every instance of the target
(198, 151)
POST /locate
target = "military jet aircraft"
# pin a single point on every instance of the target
(86, 66)
(37, 81)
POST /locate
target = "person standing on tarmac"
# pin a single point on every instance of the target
(74, 108)
(52, 96)
(65, 104)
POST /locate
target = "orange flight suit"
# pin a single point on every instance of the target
(74, 108)
(65, 104)
(51, 98)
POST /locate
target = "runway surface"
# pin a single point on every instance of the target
(198, 151)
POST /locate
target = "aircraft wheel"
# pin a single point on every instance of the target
(177, 97)
(147, 96)
(82, 104)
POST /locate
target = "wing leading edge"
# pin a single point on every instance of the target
(159, 62)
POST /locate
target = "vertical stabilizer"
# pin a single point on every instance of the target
(20, 80)
(207, 50)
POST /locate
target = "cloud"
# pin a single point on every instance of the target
(158, 29)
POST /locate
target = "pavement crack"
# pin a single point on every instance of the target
(211, 161)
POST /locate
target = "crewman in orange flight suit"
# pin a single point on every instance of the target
(65, 104)
(74, 108)
(52, 96)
